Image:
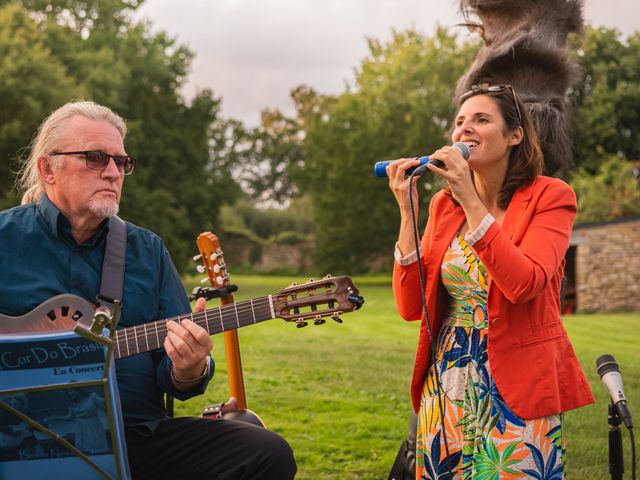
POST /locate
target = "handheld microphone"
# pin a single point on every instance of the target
(609, 372)
(380, 168)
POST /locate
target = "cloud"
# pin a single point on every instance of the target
(253, 52)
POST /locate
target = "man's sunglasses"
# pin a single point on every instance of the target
(97, 160)
(485, 88)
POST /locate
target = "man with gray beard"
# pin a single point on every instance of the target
(55, 242)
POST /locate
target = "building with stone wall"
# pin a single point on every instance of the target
(603, 267)
(245, 252)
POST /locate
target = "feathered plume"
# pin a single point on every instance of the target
(525, 46)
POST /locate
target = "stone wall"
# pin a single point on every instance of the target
(239, 250)
(242, 251)
(607, 266)
(295, 257)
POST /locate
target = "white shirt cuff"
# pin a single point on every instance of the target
(405, 260)
(472, 237)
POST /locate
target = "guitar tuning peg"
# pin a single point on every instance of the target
(216, 268)
(301, 324)
(219, 280)
(327, 276)
(293, 284)
(357, 300)
(204, 280)
(200, 269)
(310, 280)
(213, 256)
(335, 317)
(319, 321)
(197, 258)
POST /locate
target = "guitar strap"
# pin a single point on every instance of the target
(115, 254)
(113, 265)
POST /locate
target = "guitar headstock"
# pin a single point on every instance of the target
(213, 259)
(315, 300)
(214, 266)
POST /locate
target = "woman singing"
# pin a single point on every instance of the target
(492, 253)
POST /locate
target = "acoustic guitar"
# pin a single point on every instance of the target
(299, 304)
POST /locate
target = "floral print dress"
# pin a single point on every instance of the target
(486, 440)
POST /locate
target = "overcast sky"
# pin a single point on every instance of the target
(253, 52)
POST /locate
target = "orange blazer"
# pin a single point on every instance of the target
(532, 361)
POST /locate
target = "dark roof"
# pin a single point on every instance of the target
(633, 218)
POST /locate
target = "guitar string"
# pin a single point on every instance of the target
(240, 307)
(159, 334)
(227, 323)
(215, 314)
(230, 310)
(203, 318)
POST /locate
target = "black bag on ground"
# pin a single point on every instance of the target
(404, 467)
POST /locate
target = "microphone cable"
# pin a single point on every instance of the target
(432, 343)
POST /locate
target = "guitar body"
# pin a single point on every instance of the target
(244, 416)
(58, 313)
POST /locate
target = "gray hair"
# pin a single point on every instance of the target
(48, 136)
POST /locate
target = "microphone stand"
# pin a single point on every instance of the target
(616, 463)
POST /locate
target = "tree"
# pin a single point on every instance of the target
(58, 51)
(271, 158)
(400, 107)
(32, 83)
(619, 179)
(271, 151)
(606, 97)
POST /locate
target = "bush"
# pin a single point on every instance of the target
(288, 237)
(612, 192)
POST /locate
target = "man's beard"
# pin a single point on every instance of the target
(104, 207)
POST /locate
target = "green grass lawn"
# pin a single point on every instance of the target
(340, 393)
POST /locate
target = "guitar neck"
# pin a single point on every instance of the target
(234, 362)
(150, 336)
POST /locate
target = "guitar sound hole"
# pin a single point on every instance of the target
(65, 311)
(52, 315)
(77, 316)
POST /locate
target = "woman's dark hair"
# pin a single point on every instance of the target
(525, 160)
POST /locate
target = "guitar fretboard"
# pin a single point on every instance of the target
(150, 336)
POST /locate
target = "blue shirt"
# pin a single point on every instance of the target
(39, 259)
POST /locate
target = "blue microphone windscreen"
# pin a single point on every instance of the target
(380, 168)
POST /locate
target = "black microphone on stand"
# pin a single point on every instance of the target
(609, 372)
